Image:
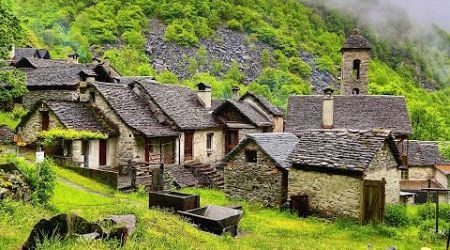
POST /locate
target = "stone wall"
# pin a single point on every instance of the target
(421, 172)
(33, 126)
(329, 194)
(441, 178)
(384, 166)
(33, 96)
(126, 145)
(348, 80)
(259, 182)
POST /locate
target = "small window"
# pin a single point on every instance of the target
(250, 156)
(405, 174)
(209, 141)
(92, 96)
(356, 68)
(355, 91)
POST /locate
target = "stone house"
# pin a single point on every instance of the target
(57, 79)
(141, 137)
(47, 115)
(204, 136)
(19, 53)
(332, 166)
(423, 170)
(257, 169)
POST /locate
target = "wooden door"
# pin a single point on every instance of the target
(102, 153)
(188, 147)
(231, 139)
(373, 201)
(85, 152)
(45, 120)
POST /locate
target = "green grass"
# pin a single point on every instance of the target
(6, 118)
(262, 228)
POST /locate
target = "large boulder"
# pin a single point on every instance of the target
(60, 226)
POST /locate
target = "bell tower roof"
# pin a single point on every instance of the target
(356, 41)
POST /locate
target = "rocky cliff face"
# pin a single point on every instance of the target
(225, 46)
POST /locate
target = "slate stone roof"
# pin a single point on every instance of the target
(348, 150)
(356, 41)
(132, 110)
(277, 146)
(180, 104)
(265, 104)
(253, 115)
(19, 53)
(130, 79)
(350, 112)
(6, 135)
(423, 153)
(79, 116)
(51, 73)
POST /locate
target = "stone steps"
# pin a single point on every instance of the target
(205, 170)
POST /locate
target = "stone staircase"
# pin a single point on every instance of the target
(207, 174)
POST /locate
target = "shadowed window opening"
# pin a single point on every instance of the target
(356, 68)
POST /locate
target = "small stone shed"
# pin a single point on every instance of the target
(257, 169)
(333, 167)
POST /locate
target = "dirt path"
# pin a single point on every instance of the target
(77, 186)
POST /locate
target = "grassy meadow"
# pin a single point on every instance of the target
(261, 228)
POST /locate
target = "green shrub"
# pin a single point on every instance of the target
(19, 112)
(396, 216)
(234, 25)
(45, 182)
(181, 32)
(40, 176)
(427, 230)
(297, 66)
(427, 211)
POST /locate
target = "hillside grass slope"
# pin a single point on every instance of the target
(261, 228)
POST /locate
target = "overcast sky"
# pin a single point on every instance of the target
(427, 11)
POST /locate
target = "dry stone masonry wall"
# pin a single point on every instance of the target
(258, 182)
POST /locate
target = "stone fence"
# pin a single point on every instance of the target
(106, 177)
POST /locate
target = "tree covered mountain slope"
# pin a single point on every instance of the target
(274, 48)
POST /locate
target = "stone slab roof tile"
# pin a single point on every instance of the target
(251, 113)
(50, 73)
(423, 153)
(79, 116)
(349, 150)
(269, 107)
(180, 104)
(356, 41)
(132, 110)
(277, 146)
(350, 112)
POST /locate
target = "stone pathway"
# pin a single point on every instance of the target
(77, 186)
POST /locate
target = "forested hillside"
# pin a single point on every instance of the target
(293, 45)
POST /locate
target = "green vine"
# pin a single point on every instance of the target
(49, 136)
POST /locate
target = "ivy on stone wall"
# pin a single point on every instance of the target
(52, 135)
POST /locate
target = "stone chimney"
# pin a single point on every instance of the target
(235, 93)
(107, 65)
(73, 58)
(328, 109)
(204, 94)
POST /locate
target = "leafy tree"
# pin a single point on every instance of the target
(181, 32)
(234, 73)
(266, 58)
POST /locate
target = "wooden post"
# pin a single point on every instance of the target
(437, 212)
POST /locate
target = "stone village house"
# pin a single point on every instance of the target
(426, 169)
(330, 166)
(345, 141)
(162, 123)
(46, 115)
(58, 79)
